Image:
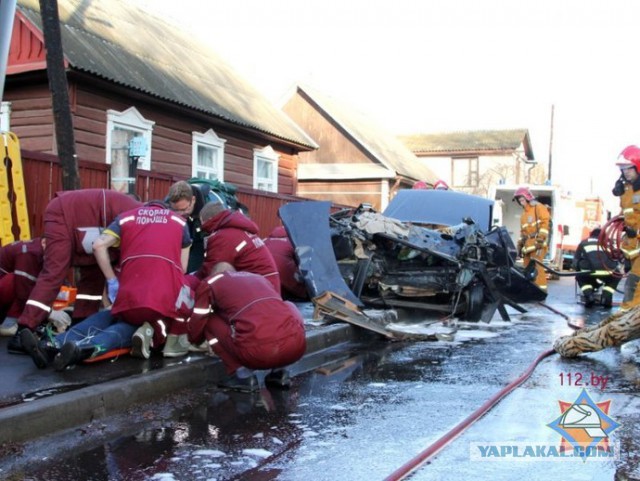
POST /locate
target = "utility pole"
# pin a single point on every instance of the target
(550, 144)
(59, 94)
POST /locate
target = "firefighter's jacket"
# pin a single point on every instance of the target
(630, 206)
(589, 258)
(534, 225)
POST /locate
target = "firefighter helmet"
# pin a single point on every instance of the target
(441, 185)
(523, 192)
(629, 157)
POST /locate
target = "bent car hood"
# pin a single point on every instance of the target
(441, 207)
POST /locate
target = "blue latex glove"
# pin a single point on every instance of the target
(112, 289)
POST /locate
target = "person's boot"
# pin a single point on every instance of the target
(278, 378)
(30, 343)
(588, 297)
(72, 353)
(14, 346)
(245, 384)
(49, 348)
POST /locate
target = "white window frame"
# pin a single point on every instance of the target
(208, 140)
(133, 121)
(268, 155)
(5, 116)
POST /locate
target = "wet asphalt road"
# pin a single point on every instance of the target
(361, 411)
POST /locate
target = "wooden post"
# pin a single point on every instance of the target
(59, 94)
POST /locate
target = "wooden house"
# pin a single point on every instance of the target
(474, 161)
(142, 90)
(356, 160)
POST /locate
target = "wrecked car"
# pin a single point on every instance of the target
(429, 251)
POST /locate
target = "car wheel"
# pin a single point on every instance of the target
(474, 297)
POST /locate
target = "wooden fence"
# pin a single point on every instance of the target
(42, 176)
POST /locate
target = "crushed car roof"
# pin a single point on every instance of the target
(440, 207)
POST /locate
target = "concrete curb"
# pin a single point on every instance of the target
(75, 408)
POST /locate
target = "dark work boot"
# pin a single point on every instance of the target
(588, 297)
(278, 378)
(72, 353)
(49, 348)
(245, 384)
(32, 346)
(15, 343)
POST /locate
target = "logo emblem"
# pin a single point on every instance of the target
(585, 426)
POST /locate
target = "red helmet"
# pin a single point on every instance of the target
(421, 184)
(629, 157)
(441, 185)
(523, 192)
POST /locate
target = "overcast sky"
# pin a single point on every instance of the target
(447, 65)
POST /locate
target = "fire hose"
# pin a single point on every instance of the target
(609, 245)
(436, 447)
(609, 241)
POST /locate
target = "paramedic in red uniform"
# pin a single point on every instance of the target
(20, 264)
(283, 253)
(248, 325)
(151, 290)
(234, 239)
(72, 220)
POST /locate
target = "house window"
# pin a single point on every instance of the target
(265, 169)
(465, 172)
(5, 116)
(122, 127)
(208, 156)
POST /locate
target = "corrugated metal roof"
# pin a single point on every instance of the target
(119, 42)
(386, 148)
(469, 141)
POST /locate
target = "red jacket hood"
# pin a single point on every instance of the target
(230, 218)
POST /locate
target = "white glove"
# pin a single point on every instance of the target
(60, 320)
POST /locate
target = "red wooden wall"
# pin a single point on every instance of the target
(42, 174)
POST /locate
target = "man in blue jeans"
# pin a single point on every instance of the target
(92, 337)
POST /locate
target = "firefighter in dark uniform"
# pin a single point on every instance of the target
(602, 271)
(627, 187)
